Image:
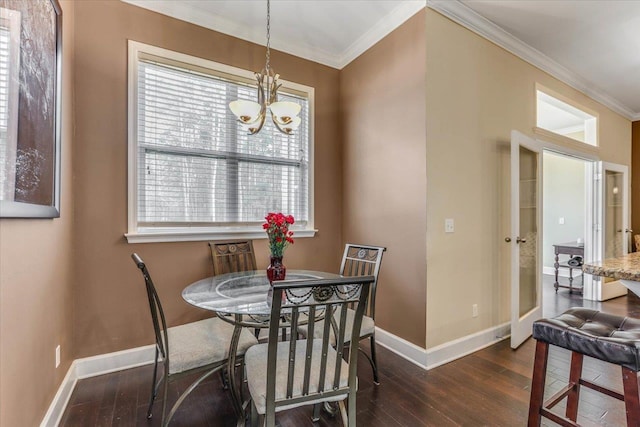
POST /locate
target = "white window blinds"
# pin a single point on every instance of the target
(195, 164)
(9, 89)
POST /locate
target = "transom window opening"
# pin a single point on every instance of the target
(567, 120)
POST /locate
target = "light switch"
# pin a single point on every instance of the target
(561, 220)
(448, 225)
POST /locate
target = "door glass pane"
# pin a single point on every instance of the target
(614, 234)
(528, 229)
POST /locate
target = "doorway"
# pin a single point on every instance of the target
(594, 199)
(564, 217)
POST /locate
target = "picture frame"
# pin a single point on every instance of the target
(30, 108)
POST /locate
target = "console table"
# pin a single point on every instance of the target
(571, 249)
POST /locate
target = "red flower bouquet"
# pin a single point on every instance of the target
(277, 228)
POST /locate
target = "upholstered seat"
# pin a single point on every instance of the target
(359, 260)
(607, 337)
(256, 363)
(201, 346)
(202, 343)
(368, 327)
(586, 332)
(287, 374)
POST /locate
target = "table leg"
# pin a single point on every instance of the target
(570, 280)
(236, 396)
(556, 266)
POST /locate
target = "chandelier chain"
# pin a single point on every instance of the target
(268, 33)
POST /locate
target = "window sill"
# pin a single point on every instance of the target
(163, 235)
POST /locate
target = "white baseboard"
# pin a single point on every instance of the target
(403, 348)
(452, 350)
(112, 362)
(444, 353)
(91, 367)
(61, 399)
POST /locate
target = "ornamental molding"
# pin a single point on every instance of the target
(470, 19)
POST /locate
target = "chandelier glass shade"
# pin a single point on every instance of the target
(252, 115)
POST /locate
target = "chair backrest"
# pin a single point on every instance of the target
(363, 260)
(157, 314)
(316, 300)
(232, 257)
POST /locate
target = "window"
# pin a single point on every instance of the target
(194, 174)
(9, 68)
(567, 120)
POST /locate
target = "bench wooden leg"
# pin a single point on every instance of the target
(631, 396)
(574, 379)
(537, 383)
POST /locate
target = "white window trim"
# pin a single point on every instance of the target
(138, 234)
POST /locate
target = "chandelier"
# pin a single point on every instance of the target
(252, 114)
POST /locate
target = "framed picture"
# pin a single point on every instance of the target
(30, 105)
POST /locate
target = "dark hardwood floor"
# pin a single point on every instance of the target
(487, 388)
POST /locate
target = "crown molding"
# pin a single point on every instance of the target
(380, 30)
(405, 10)
(468, 18)
(221, 25)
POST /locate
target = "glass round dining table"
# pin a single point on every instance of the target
(242, 299)
(243, 293)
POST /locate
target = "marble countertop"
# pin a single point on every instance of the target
(626, 267)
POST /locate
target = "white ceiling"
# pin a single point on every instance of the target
(593, 45)
(331, 32)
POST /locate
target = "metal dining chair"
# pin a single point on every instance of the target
(232, 256)
(201, 346)
(287, 374)
(361, 260)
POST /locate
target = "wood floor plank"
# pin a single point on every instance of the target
(488, 388)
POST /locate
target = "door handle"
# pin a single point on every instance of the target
(628, 230)
(519, 240)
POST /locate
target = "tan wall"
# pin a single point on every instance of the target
(36, 310)
(635, 178)
(111, 313)
(476, 94)
(383, 110)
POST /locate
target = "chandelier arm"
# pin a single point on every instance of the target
(286, 131)
(261, 119)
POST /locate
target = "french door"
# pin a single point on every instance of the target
(611, 232)
(525, 239)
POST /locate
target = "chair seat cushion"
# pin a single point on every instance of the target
(203, 343)
(607, 337)
(256, 367)
(367, 328)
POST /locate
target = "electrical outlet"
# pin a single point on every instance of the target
(448, 225)
(561, 220)
(474, 310)
(58, 355)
